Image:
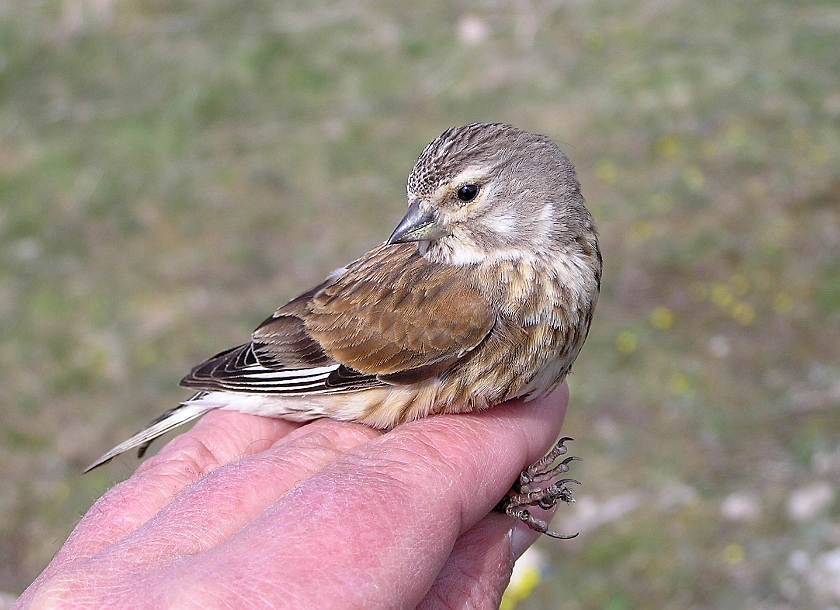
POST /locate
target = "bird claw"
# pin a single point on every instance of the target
(527, 491)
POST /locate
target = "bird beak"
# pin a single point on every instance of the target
(417, 225)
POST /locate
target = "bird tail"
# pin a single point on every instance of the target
(187, 411)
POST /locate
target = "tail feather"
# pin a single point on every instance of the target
(183, 413)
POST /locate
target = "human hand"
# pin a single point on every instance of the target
(246, 511)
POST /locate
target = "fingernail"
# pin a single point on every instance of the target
(521, 537)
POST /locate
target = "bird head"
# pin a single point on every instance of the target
(486, 192)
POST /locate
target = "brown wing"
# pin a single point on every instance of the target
(396, 315)
(281, 359)
(390, 317)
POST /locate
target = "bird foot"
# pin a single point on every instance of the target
(530, 491)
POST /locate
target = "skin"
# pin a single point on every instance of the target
(252, 512)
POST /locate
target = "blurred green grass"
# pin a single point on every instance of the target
(171, 171)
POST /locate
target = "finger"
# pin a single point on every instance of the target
(231, 496)
(207, 510)
(478, 569)
(218, 438)
(378, 524)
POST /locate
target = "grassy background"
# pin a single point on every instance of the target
(171, 171)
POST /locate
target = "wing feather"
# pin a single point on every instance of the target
(391, 317)
(393, 311)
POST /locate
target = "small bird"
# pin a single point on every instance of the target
(483, 293)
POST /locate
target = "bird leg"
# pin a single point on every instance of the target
(529, 491)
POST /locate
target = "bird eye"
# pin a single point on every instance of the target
(467, 192)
